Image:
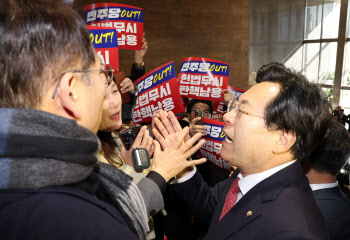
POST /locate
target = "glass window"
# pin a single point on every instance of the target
(330, 22)
(346, 66)
(311, 61)
(348, 21)
(327, 63)
(295, 60)
(345, 101)
(313, 16)
(329, 94)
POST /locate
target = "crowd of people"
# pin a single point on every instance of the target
(65, 174)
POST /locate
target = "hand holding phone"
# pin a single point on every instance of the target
(129, 135)
(198, 113)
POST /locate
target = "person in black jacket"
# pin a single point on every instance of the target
(137, 71)
(326, 161)
(270, 129)
(52, 87)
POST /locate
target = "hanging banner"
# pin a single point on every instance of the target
(127, 20)
(203, 78)
(157, 90)
(105, 43)
(211, 149)
(236, 92)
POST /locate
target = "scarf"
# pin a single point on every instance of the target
(39, 149)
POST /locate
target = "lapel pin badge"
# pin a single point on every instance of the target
(249, 213)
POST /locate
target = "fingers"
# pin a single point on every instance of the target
(154, 116)
(174, 122)
(151, 149)
(195, 162)
(224, 90)
(188, 145)
(198, 129)
(161, 128)
(126, 85)
(167, 124)
(139, 137)
(145, 140)
(193, 122)
(156, 150)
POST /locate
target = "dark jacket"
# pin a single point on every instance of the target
(280, 207)
(127, 108)
(335, 207)
(59, 213)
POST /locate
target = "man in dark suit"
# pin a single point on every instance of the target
(269, 129)
(325, 163)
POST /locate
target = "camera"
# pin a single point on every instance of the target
(198, 113)
(129, 135)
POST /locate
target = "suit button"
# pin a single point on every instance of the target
(152, 212)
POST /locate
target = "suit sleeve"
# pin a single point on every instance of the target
(200, 198)
(137, 72)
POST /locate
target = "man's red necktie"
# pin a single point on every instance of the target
(231, 198)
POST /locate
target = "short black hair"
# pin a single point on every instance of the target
(195, 101)
(39, 40)
(333, 152)
(271, 70)
(300, 107)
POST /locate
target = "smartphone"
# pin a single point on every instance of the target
(140, 159)
(198, 113)
(129, 135)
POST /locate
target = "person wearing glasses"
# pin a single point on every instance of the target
(52, 89)
(270, 129)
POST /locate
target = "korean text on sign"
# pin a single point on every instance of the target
(203, 78)
(211, 149)
(105, 43)
(157, 90)
(127, 20)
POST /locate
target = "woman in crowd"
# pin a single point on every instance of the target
(112, 150)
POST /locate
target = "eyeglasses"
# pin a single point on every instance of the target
(106, 70)
(234, 105)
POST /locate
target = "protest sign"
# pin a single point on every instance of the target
(203, 78)
(158, 89)
(105, 43)
(127, 20)
(211, 149)
(236, 92)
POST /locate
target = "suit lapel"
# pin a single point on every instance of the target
(244, 212)
(266, 190)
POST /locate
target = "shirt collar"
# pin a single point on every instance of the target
(248, 182)
(319, 186)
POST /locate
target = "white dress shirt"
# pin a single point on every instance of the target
(245, 183)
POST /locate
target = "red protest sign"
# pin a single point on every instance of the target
(127, 20)
(105, 43)
(211, 149)
(236, 92)
(203, 78)
(158, 89)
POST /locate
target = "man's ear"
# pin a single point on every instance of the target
(68, 95)
(285, 141)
